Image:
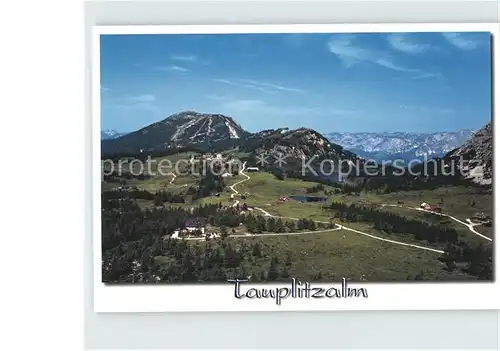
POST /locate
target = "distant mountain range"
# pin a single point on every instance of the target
(400, 145)
(216, 132)
(110, 134)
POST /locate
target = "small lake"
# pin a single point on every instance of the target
(308, 198)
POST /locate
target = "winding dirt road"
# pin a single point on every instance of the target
(337, 226)
(247, 235)
(468, 222)
(235, 192)
(173, 177)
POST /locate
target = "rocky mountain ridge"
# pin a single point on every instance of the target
(474, 159)
(400, 145)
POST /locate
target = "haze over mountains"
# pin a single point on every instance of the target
(400, 145)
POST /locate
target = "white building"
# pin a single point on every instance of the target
(425, 206)
(195, 225)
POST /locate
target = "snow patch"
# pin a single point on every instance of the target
(232, 132)
(199, 131)
(210, 129)
(180, 130)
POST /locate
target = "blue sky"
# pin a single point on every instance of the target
(415, 82)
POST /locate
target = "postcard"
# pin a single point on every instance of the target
(294, 167)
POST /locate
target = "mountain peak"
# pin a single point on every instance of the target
(184, 114)
(182, 129)
(190, 114)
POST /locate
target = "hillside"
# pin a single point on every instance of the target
(182, 129)
(476, 155)
(296, 143)
(215, 132)
(289, 151)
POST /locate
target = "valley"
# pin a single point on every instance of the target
(266, 223)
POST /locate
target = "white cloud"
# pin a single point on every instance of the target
(407, 43)
(173, 68)
(464, 41)
(189, 59)
(144, 102)
(273, 86)
(425, 75)
(243, 85)
(265, 87)
(185, 58)
(142, 98)
(351, 54)
(105, 90)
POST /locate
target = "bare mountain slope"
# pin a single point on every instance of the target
(182, 129)
(475, 158)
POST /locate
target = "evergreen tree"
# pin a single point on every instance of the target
(256, 251)
(274, 271)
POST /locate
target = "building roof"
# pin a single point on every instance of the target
(195, 222)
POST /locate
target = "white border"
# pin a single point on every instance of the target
(382, 296)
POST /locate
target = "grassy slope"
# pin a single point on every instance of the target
(454, 200)
(161, 177)
(340, 253)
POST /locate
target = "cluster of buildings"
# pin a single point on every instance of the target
(482, 218)
(230, 165)
(282, 200)
(479, 217)
(195, 226)
(427, 207)
(211, 157)
(243, 208)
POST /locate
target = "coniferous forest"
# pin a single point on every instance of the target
(136, 247)
(475, 260)
(134, 238)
